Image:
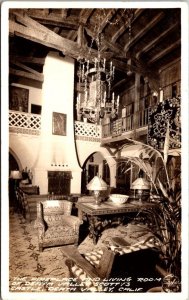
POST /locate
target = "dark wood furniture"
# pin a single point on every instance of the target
(107, 214)
(27, 203)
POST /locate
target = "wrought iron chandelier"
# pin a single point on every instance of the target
(95, 79)
(95, 100)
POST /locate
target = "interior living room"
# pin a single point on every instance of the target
(94, 183)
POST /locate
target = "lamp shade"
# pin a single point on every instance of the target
(97, 184)
(15, 174)
(140, 184)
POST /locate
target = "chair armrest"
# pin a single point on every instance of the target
(40, 225)
(73, 221)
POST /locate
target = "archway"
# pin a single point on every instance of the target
(14, 162)
(95, 164)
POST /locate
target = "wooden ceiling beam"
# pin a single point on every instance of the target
(108, 17)
(83, 18)
(165, 52)
(38, 77)
(24, 67)
(106, 43)
(54, 20)
(80, 36)
(40, 34)
(28, 59)
(122, 29)
(84, 15)
(156, 40)
(143, 31)
(64, 13)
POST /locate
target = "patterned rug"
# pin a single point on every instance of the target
(34, 271)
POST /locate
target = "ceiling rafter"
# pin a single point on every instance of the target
(144, 31)
(104, 22)
(24, 67)
(80, 36)
(105, 42)
(83, 18)
(64, 13)
(40, 34)
(27, 59)
(122, 29)
(165, 52)
(84, 15)
(38, 77)
(156, 40)
(52, 19)
(71, 31)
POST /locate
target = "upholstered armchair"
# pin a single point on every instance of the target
(55, 224)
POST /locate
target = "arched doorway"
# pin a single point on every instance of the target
(94, 165)
(13, 164)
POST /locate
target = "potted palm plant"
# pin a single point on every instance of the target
(166, 192)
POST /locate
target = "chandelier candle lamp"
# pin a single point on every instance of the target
(97, 185)
(95, 100)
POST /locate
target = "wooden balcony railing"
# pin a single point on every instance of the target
(125, 124)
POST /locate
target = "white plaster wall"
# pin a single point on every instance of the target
(41, 153)
(26, 148)
(57, 96)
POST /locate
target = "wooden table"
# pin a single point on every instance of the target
(107, 213)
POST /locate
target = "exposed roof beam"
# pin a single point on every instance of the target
(165, 52)
(80, 36)
(28, 59)
(36, 32)
(122, 29)
(84, 15)
(156, 40)
(37, 77)
(143, 31)
(108, 17)
(22, 66)
(53, 19)
(64, 13)
(108, 44)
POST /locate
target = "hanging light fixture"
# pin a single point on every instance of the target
(96, 100)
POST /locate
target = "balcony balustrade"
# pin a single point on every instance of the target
(27, 123)
(125, 124)
(87, 131)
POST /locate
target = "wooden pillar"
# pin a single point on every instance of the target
(137, 99)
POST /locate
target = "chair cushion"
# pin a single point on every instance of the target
(53, 220)
(56, 232)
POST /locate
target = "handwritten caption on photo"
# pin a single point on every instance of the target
(53, 284)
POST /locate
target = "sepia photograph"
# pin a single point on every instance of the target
(95, 154)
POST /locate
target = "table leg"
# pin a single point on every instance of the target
(94, 228)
